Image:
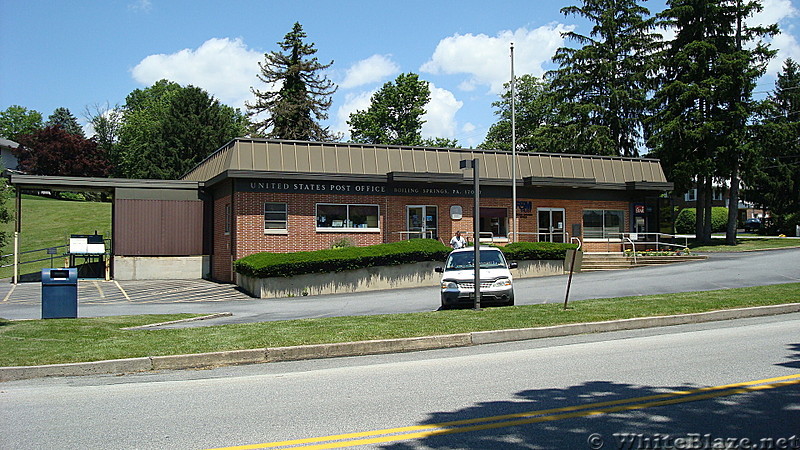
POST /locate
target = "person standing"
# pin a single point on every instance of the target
(458, 241)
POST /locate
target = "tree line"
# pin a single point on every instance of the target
(621, 89)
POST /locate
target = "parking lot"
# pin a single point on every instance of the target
(144, 291)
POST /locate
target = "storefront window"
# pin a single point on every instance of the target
(603, 224)
(360, 217)
(275, 216)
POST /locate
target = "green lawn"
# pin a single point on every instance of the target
(33, 342)
(49, 223)
(744, 244)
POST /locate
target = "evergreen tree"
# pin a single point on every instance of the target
(774, 182)
(704, 98)
(64, 119)
(603, 86)
(168, 129)
(195, 126)
(302, 98)
(395, 113)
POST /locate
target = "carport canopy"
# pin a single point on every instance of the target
(154, 189)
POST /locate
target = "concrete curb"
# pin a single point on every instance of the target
(276, 354)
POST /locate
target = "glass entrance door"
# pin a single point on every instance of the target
(551, 225)
(422, 221)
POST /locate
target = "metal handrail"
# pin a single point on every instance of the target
(580, 244)
(480, 235)
(30, 251)
(657, 241)
(633, 247)
(422, 234)
(538, 234)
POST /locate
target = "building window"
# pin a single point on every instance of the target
(690, 196)
(603, 224)
(227, 218)
(275, 217)
(332, 217)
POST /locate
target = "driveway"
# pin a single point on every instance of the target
(99, 298)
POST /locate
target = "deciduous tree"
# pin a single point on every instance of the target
(535, 118)
(54, 151)
(394, 116)
(17, 120)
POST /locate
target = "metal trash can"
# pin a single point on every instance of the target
(60, 293)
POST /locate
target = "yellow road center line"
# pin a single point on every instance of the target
(545, 415)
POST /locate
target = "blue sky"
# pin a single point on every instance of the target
(80, 54)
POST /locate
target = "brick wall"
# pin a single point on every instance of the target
(221, 261)
(248, 236)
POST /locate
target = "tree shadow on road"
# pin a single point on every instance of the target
(770, 413)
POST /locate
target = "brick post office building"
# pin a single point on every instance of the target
(285, 196)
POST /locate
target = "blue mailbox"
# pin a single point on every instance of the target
(60, 293)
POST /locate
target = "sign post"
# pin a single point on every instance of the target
(474, 164)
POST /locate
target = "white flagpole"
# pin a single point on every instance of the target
(514, 230)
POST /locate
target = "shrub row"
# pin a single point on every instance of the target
(523, 251)
(685, 222)
(265, 265)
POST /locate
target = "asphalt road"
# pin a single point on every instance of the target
(721, 270)
(561, 393)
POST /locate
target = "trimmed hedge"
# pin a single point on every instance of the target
(684, 223)
(523, 251)
(265, 265)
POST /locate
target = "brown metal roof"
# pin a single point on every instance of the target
(253, 156)
(96, 184)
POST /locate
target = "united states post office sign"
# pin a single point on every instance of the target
(364, 188)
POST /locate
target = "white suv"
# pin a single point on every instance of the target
(458, 278)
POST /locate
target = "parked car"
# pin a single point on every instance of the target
(458, 278)
(752, 224)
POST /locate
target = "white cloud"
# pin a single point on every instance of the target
(440, 115)
(774, 12)
(224, 67)
(778, 11)
(371, 70)
(353, 102)
(487, 59)
(141, 5)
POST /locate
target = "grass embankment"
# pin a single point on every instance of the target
(49, 223)
(744, 245)
(74, 340)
